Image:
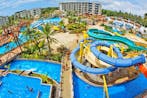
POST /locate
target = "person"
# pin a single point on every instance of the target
(30, 89)
(10, 92)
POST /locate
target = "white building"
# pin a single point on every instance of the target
(22, 14)
(143, 32)
(28, 13)
(81, 7)
(3, 20)
(35, 12)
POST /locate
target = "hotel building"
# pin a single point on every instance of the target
(81, 7)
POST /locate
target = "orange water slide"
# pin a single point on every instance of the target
(143, 69)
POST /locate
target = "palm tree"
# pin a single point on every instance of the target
(61, 24)
(34, 37)
(38, 43)
(17, 41)
(48, 34)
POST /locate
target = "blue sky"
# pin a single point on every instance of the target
(9, 7)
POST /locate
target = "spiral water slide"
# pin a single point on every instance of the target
(115, 62)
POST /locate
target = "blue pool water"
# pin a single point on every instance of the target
(11, 45)
(22, 29)
(52, 70)
(54, 20)
(139, 35)
(14, 86)
(115, 30)
(126, 90)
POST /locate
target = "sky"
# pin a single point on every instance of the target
(9, 7)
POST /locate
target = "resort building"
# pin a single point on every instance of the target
(22, 14)
(3, 20)
(81, 7)
(35, 12)
(28, 13)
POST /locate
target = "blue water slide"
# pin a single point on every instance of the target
(117, 62)
(88, 69)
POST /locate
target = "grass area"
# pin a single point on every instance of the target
(108, 28)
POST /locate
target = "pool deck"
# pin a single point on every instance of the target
(66, 79)
(10, 56)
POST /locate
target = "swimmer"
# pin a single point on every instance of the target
(10, 92)
(30, 89)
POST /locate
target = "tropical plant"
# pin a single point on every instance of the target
(48, 33)
(108, 28)
(61, 24)
(35, 39)
(56, 57)
(17, 41)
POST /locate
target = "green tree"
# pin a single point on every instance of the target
(35, 39)
(135, 18)
(145, 16)
(48, 32)
(62, 26)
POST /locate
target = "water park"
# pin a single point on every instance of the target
(73, 56)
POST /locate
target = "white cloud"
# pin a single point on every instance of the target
(125, 6)
(134, 6)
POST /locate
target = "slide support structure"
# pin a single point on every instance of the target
(81, 52)
(105, 87)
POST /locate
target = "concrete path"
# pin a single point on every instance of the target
(66, 79)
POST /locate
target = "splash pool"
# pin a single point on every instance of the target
(125, 90)
(14, 86)
(52, 70)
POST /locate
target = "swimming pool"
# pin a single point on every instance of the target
(11, 45)
(15, 86)
(22, 29)
(52, 70)
(125, 90)
(53, 20)
(22, 38)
